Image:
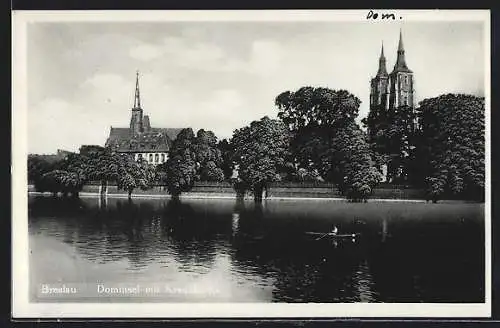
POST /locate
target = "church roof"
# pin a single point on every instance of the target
(155, 140)
(170, 132)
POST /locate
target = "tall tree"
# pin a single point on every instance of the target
(259, 152)
(351, 165)
(453, 145)
(208, 157)
(392, 135)
(134, 174)
(227, 158)
(181, 165)
(326, 138)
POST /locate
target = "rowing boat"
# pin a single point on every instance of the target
(332, 235)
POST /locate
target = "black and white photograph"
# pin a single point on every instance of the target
(328, 163)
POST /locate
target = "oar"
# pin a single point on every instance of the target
(322, 236)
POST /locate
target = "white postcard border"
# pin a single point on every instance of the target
(21, 306)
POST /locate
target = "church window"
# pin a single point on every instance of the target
(150, 158)
(162, 158)
(156, 158)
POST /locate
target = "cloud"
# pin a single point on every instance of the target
(52, 124)
(145, 52)
(182, 52)
(266, 57)
(104, 80)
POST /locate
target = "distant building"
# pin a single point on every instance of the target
(88, 149)
(389, 92)
(141, 140)
(60, 155)
(396, 89)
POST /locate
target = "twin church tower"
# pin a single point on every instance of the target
(390, 91)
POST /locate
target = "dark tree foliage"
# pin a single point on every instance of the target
(453, 143)
(310, 106)
(209, 159)
(326, 140)
(60, 181)
(192, 158)
(181, 168)
(134, 174)
(226, 150)
(53, 174)
(393, 137)
(70, 174)
(260, 150)
(38, 166)
(350, 164)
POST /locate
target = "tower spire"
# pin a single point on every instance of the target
(382, 70)
(400, 45)
(137, 98)
(400, 65)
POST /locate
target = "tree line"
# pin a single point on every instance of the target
(438, 146)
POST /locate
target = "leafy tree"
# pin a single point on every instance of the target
(351, 166)
(259, 151)
(392, 137)
(310, 106)
(313, 115)
(226, 150)
(103, 166)
(60, 181)
(37, 166)
(134, 174)
(208, 157)
(326, 138)
(181, 168)
(453, 145)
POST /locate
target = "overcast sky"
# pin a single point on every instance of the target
(221, 76)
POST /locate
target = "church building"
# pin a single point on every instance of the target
(140, 140)
(396, 89)
(389, 92)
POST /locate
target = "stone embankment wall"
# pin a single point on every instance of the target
(281, 190)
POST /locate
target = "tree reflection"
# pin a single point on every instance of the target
(192, 234)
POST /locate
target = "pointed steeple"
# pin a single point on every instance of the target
(400, 45)
(137, 98)
(382, 70)
(400, 65)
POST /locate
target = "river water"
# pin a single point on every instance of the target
(230, 251)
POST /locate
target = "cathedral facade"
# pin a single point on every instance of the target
(140, 140)
(390, 91)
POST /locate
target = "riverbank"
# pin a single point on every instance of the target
(225, 196)
(282, 193)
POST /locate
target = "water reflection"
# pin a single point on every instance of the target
(260, 252)
(384, 229)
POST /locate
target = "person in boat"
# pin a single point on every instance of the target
(335, 230)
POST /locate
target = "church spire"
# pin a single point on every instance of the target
(400, 65)
(400, 45)
(137, 99)
(382, 70)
